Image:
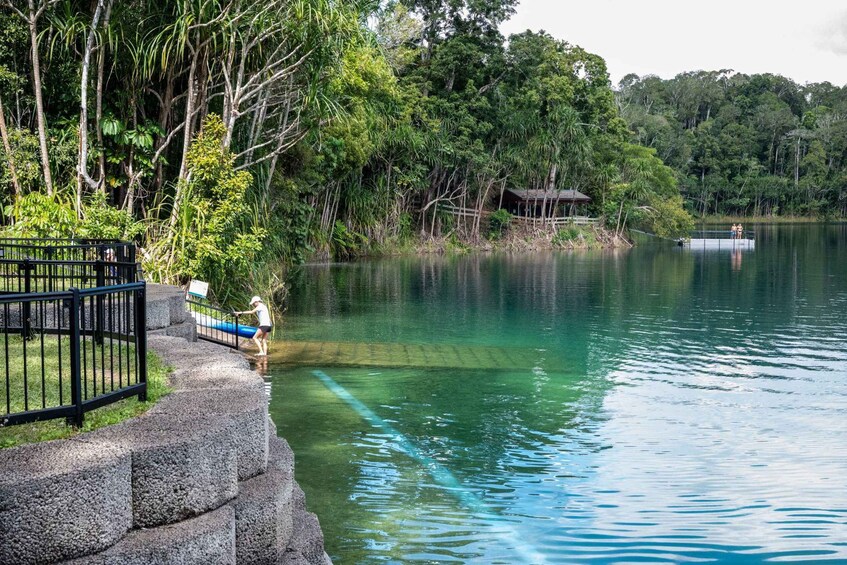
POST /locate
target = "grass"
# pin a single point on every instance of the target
(55, 392)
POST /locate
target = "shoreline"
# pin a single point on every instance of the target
(714, 220)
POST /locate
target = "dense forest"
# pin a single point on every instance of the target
(232, 138)
(745, 144)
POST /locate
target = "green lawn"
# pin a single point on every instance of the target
(44, 387)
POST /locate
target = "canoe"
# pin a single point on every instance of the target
(207, 321)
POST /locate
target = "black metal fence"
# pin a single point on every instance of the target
(73, 318)
(41, 275)
(65, 353)
(215, 324)
(67, 249)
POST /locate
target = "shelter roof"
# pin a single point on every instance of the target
(538, 195)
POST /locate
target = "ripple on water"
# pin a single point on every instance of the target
(676, 410)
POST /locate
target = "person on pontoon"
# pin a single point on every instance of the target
(733, 232)
(265, 324)
(739, 232)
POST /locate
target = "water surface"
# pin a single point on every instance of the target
(658, 405)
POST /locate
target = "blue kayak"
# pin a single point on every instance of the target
(213, 323)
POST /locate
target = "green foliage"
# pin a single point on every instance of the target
(498, 223)
(566, 235)
(102, 221)
(346, 242)
(40, 216)
(208, 241)
(668, 218)
(744, 144)
(24, 147)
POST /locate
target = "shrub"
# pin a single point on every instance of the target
(566, 235)
(498, 223)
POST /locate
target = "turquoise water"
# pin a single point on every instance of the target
(663, 406)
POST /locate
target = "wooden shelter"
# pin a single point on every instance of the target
(544, 203)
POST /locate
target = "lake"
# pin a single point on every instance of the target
(647, 405)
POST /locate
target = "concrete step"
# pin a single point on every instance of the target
(307, 538)
(62, 499)
(247, 410)
(182, 464)
(263, 518)
(165, 306)
(206, 540)
(186, 330)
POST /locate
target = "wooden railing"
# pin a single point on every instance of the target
(555, 222)
(560, 222)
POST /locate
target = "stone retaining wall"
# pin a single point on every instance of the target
(201, 478)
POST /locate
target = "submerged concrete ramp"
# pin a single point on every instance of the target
(327, 353)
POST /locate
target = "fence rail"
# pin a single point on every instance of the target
(459, 211)
(211, 320)
(39, 275)
(560, 221)
(68, 352)
(721, 234)
(67, 249)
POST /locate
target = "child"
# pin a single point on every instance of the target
(265, 325)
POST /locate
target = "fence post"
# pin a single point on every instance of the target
(26, 319)
(100, 318)
(76, 367)
(140, 316)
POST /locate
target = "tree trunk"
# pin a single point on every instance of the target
(39, 101)
(189, 117)
(98, 117)
(82, 163)
(4, 133)
(164, 123)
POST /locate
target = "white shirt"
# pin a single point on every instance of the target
(263, 314)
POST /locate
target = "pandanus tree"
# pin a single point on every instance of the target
(31, 13)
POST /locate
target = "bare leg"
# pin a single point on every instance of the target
(257, 339)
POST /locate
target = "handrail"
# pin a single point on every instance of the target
(215, 318)
(721, 234)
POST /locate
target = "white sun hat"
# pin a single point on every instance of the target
(255, 299)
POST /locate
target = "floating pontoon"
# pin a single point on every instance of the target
(719, 240)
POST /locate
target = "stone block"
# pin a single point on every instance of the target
(185, 329)
(206, 540)
(62, 499)
(246, 409)
(292, 557)
(182, 465)
(263, 518)
(307, 537)
(281, 457)
(158, 314)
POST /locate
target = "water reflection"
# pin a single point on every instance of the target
(678, 407)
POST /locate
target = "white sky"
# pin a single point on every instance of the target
(802, 40)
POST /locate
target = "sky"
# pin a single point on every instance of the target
(802, 40)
